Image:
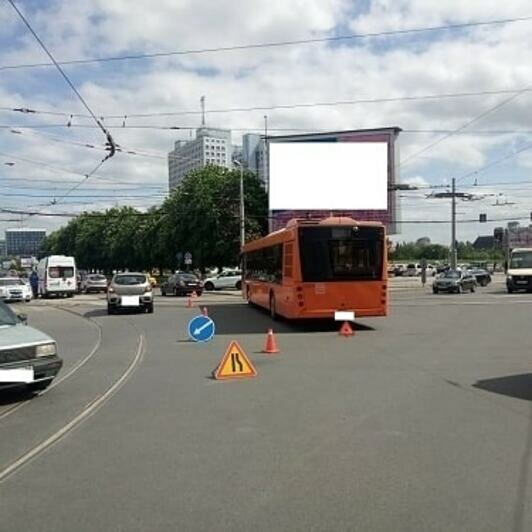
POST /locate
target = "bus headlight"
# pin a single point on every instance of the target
(46, 350)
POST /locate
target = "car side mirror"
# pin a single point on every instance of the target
(23, 317)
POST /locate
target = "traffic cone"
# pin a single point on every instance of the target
(346, 330)
(189, 302)
(204, 311)
(270, 346)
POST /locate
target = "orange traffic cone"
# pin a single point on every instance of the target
(204, 311)
(346, 330)
(189, 302)
(270, 346)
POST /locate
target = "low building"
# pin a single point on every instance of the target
(24, 241)
(484, 242)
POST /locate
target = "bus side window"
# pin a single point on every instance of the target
(288, 259)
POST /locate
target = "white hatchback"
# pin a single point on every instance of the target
(225, 280)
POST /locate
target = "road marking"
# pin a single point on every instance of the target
(82, 416)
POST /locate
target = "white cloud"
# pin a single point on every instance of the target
(481, 59)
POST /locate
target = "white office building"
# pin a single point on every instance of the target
(211, 146)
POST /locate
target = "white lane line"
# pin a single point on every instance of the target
(82, 416)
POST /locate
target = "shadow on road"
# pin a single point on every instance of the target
(103, 312)
(241, 319)
(9, 397)
(518, 386)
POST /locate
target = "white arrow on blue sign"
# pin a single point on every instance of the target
(201, 328)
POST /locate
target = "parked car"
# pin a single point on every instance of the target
(227, 279)
(28, 357)
(94, 282)
(411, 270)
(182, 284)
(15, 289)
(482, 276)
(399, 270)
(442, 268)
(130, 290)
(454, 281)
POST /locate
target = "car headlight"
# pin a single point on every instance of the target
(509, 278)
(46, 350)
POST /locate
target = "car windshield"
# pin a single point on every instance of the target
(129, 279)
(7, 316)
(11, 282)
(453, 274)
(521, 259)
(188, 277)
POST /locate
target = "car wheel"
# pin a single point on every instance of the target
(510, 290)
(39, 386)
(163, 293)
(472, 288)
(149, 308)
(208, 286)
(110, 309)
(238, 285)
(174, 292)
(434, 290)
(273, 310)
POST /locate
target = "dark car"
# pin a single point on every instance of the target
(482, 276)
(28, 357)
(182, 284)
(454, 281)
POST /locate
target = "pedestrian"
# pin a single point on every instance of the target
(423, 272)
(34, 283)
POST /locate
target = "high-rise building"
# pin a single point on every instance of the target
(211, 146)
(24, 242)
(3, 251)
(253, 155)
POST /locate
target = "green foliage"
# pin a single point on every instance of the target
(465, 251)
(201, 217)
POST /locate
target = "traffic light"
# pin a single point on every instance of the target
(482, 218)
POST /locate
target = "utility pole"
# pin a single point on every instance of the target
(453, 225)
(242, 207)
(202, 100)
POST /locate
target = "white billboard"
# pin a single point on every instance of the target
(328, 175)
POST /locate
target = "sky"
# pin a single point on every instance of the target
(483, 140)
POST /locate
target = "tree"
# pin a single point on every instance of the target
(203, 215)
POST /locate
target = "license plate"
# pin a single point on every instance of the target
(17, 375)
(521, 282)
(130, 301)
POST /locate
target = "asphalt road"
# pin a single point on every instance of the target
(422, 421)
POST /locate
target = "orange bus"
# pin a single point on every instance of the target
(313, 268)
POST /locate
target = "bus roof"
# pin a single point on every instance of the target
(288, 232)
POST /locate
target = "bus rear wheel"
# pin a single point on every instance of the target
(273, 312)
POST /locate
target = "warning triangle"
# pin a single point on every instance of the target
(235, 364)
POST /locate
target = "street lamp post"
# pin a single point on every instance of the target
(242, 208)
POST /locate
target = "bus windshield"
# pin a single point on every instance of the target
(521, 259)
(340, 253)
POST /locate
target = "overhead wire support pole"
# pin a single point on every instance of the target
(453, 225)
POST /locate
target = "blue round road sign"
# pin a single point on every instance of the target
(201, 328)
